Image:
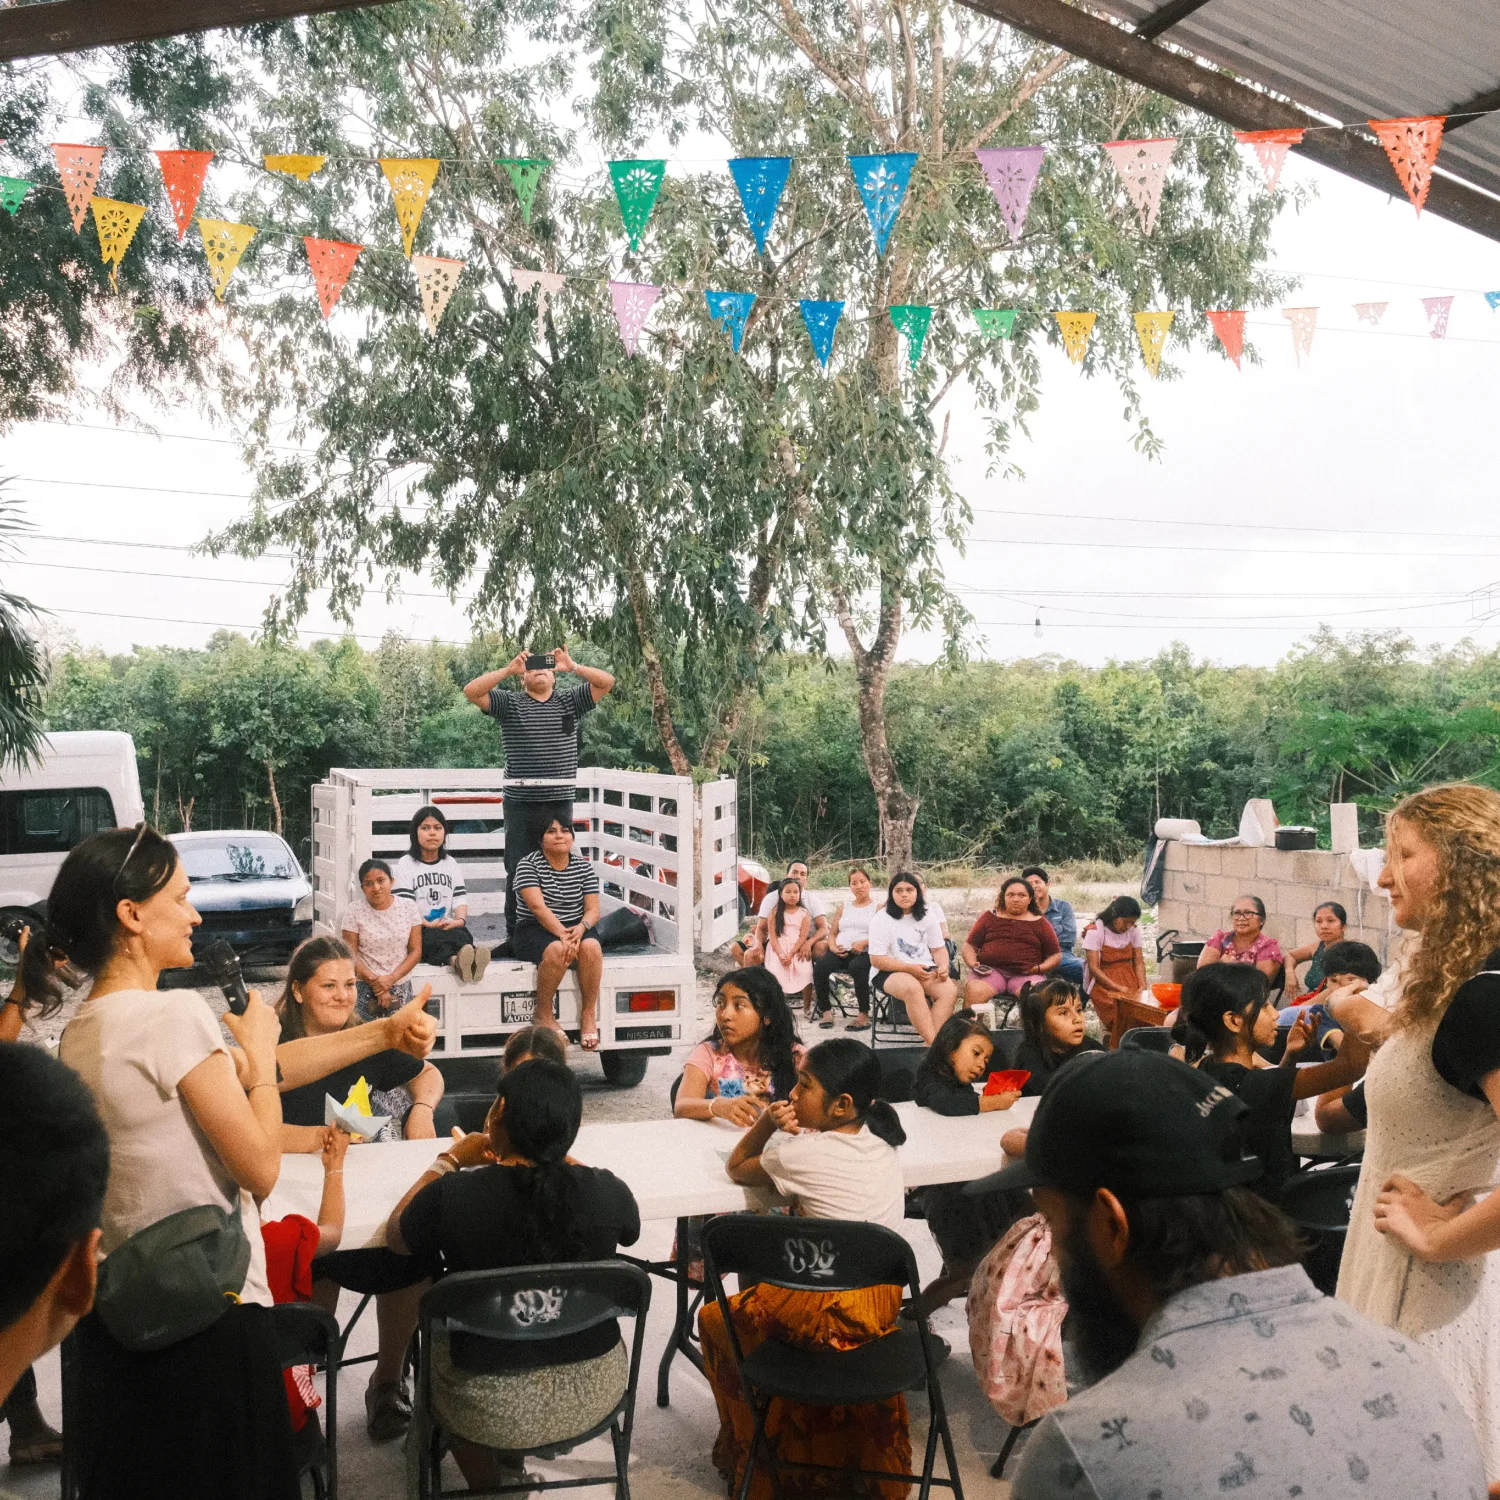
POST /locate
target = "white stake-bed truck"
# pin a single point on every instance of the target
(636, 827)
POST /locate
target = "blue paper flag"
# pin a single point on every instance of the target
(730, 309)
(882, 182)
(822, 318)
(1493, 298)
(761, 180)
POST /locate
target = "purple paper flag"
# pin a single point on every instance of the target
(1012, 173)
(633, 302)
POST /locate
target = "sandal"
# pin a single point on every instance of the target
(387, 1411)
(41, 1450)
(826, 1024)
(589, 1040)
(859, 1023)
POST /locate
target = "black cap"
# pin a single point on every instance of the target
(1138, 1123)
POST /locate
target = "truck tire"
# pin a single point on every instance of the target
(624, 1069)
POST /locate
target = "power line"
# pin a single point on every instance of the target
(331, 635)
(1004, 541)
(1057, 515)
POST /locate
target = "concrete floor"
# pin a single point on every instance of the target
(672, 1446)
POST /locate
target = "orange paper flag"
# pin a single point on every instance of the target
(436, 279)
(1076, 328)
(182, 172)
(300, 167)
(331, 262)
(1151, 329)
(223, 244)
(117, 224)
(1230, 327)
(1412, 145)
(411, 180)
(78, 166)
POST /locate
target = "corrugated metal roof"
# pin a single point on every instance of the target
(1356, 60)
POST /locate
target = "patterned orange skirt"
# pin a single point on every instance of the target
(858, 1437)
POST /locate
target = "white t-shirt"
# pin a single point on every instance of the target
(909, 940)
(809, 900)
(837, 1176)
(854, 924)
(383, 935)
(937, 914)
(132, 1048)
(435, 889)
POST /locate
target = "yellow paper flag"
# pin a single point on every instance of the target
(117, 224)
(300, 167)
(1076, 328)
(411, 180)
(359, 1098)
(1151, 329)
(436, 279)
(223, 243)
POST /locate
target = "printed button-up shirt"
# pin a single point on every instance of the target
(1259, 1384)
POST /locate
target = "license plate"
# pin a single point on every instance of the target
(520, 1009)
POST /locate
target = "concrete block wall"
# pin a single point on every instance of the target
(1203, 880)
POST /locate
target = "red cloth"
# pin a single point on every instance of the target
(1013, 945)
(291, 1244)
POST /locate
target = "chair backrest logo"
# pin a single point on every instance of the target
(810, 1257)
(537, 1305)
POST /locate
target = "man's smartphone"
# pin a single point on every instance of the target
(543, 661)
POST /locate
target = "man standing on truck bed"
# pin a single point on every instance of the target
(540, 730)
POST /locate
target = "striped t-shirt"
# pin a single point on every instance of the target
(562, 890)
(541, 739)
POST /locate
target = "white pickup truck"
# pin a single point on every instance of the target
(637, 827)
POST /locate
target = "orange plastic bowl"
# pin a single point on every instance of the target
(1168, 996)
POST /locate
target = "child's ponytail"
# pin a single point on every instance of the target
(845, 1066)
(1207, 994)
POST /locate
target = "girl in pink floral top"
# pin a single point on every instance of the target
(1245, 942)
(749, 1059)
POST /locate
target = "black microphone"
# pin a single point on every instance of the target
(223, 965)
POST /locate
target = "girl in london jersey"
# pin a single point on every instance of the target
(429, 877)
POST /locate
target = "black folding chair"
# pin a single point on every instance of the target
(1147, 1039)
(531, 1305)
(307, 1334)
(1319, 1203)
(827, 1255)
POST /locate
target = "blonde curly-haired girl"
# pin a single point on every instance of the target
(1418, 1254)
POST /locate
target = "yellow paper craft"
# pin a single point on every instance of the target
(359, 1098)
(411, 180)
(1076, 328)
(223, 243)
(1151, 329)
(117, 224)
(300, 167)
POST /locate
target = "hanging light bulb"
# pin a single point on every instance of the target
(1037, 632)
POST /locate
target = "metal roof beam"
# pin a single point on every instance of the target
(1224, 96)
(1167, 17)
(1472, 109)
(73, 25)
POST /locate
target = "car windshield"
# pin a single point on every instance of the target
(241, 856)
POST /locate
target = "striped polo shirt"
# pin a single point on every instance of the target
(541, 740)
(562, 890)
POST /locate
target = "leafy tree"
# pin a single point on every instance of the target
(23, 670)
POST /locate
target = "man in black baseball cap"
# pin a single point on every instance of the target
(1218, 1364)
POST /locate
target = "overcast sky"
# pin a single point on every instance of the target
(1356, 489)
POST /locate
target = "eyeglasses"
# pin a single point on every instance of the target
(140, 833)
(1244, 911)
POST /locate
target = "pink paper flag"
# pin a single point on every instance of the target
(1437, 310)
(1142, 166)
(633, 302)
(546, 284)
(1370, 312)
(1271, 147)
(1304, 321)
(78, 167)
(1012, 173)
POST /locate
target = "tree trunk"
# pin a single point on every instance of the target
(275, 800)
(872, 668)
(656, 682)
(185, 812)
(156, 796)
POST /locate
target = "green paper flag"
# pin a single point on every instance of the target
(636, 185)
(12, 191)
(995, 322)
(914, 323)
(525, 172)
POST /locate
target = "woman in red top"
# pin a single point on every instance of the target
(1010, 946)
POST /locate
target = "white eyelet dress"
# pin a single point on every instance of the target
(1445, 1141)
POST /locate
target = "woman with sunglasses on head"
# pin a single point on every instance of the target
(190, 1124)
